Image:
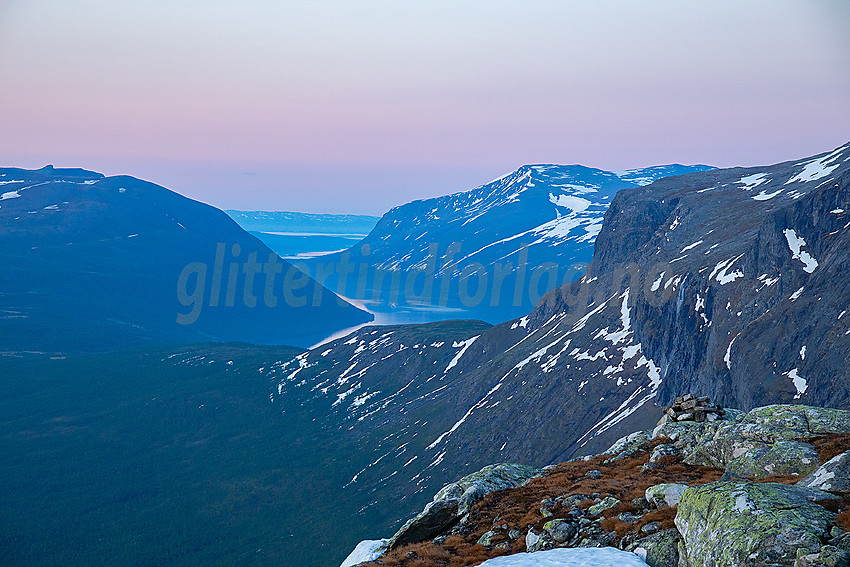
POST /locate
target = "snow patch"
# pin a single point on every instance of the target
(796, 244)
(569, 557)
(799, 382)
(463, 345)
(366, 550)
(750, 182)
(816, 169)
(576, 204)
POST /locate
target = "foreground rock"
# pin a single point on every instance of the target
(833, 475)
(659, 550)
(454, 500)
(746, 524)
(663, 495)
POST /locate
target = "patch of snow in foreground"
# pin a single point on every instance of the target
(366, 550)
(569, 557)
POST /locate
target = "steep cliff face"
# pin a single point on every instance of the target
(736, 281)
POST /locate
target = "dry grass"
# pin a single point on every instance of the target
(519, 508)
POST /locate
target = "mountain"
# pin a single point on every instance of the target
(491, 252)
(104, 262)
(727, 283)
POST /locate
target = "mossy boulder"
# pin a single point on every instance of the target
(454, 500)
(658, 550)
(628, 445)
(780, 458)
(605, 504)
(750, 525)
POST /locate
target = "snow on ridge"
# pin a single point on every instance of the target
(796, 244)
(721, 268)
(750, 182)
(817, 168)
(765, 196)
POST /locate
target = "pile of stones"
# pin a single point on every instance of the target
(691, 408)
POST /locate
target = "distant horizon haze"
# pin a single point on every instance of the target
(335, 107)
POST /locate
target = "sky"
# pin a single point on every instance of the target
(355, 107)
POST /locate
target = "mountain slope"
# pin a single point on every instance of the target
(102, 262)
(683, 268)
(492, 251)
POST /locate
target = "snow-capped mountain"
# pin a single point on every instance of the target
(492, 251)
(727, 283)
(96, 263)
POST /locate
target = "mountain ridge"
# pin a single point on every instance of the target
(107, 262)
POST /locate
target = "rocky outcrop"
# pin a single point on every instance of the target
(750, 525)
(718, 523)
(453, 501)
(764, 442)
(833, 475)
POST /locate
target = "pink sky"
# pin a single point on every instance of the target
(357, 107)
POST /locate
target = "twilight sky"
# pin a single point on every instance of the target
(342, 106)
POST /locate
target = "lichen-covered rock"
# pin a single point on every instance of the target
(828, 556)
(454, 500)
(491, 478)
(749, 525)
(487, 539)
(608, 502)
(781, 458)
(628, 445)
(765, 439)
(664, 450)
(559, 530)
(667, 494)
(833, 475)
(661, 549)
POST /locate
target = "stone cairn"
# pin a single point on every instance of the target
(691, 408)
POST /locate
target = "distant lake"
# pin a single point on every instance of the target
(299, 236)
(301, 245)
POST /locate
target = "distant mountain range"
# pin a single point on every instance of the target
(491, 252)
(96, 263)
